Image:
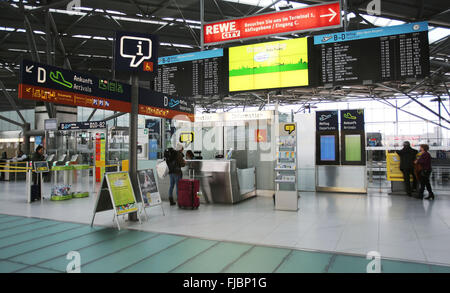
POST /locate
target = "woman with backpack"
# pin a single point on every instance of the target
(175, 161)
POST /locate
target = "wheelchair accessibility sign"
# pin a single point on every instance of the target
(136, 52)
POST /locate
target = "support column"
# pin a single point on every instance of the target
(26, 139)
(133, 137)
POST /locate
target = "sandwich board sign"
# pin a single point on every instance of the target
(116, 193)
(149, 190)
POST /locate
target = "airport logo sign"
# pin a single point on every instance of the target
(136, 52)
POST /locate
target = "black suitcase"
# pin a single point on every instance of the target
(35, 192)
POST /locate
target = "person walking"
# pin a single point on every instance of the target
(407, 157)
(425, 162)
(175, 163)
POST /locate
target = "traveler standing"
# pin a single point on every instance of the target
(407, 157)
(175, 163)
(425, 162)
(38, 156)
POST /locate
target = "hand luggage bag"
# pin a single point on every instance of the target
(35, 192)
(187, 193)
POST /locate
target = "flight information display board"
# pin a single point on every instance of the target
(373, 55)
(187, 75)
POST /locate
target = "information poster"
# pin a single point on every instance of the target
(277, 64)
(122, 192)
(149, 188)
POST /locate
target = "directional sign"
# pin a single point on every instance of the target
(160, 105)
(56, 85)
(135, 52)
(317, 17)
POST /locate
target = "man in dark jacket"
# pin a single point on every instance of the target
(407, 157)
(175, 163)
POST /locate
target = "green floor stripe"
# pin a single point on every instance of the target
(3, 215)
(440, 269)
(9, 219)
(26, 228)
(170, 258)
(99, 250)
(35, 234)
(305, 262)
(61, 249)
(17, 224)
(215, 259)
(348, 264)
(126, 257)
(259, 260)
(390, 266)
(36, 270)
(35, 244)
(9, 267)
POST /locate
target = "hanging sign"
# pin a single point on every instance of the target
(135, 52)
(51, 84)
(316, 17)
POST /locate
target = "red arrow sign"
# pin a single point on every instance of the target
(275, 23)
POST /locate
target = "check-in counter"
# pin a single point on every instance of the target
(219, 180)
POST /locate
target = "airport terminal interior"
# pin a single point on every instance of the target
(225, 136)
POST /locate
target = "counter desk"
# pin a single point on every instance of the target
(221, 181)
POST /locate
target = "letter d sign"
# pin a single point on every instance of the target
(42, 75)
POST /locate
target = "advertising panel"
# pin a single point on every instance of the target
(122, 192)
(309, 18)
(278, 64)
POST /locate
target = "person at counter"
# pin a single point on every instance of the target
(425, 162)
(38, 154)
(189, 155)
(21, 156)
(407, 157)
(175, 162)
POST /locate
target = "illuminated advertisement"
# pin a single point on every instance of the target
(277, 64)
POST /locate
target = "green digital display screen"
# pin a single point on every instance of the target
(353, 147)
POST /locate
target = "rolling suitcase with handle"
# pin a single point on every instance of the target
(187, 192)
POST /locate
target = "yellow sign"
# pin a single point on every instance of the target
(276, 64)
(100, 164)
(393, 171)
(289, 128)
(125, 165)
(187, 137)
(122, 192)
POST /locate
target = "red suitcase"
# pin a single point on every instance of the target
(187, 193)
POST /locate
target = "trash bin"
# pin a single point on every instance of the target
(62, 177)
(80, 181)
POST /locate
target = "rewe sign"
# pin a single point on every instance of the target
(315, 17)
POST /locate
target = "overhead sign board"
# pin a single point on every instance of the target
(316, 17)
(82, 125)
(160, 105)
(51, 84)
(136, 52)
(373, 55)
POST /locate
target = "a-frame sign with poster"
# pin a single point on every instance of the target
(116, 193)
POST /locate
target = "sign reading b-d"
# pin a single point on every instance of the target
(136, 52)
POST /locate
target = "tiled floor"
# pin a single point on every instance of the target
(398, 227)
(32, 245)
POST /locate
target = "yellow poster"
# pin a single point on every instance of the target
(269, 65)
(393, 167)
(122, 192)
